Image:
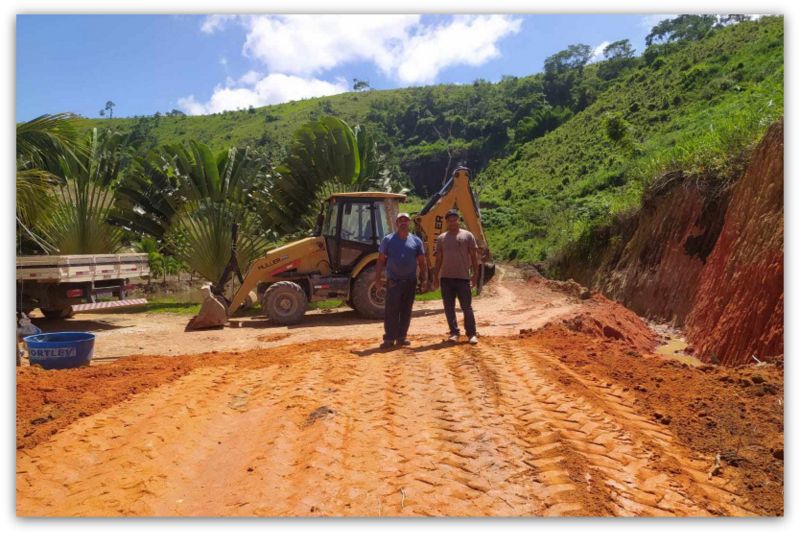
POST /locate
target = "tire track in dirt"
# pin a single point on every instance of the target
(604, 428)
(436, 429)
(688, 468)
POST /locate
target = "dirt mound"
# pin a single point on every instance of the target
(605, 319)
(738, 309)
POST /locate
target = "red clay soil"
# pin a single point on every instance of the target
(606, 319)
(738, 310)
(654, 262)
(552, 422)
(48, 401)
(736, 413)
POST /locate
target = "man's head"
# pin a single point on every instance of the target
(403, 221)
(452, 218)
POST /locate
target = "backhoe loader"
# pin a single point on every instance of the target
(338, 260)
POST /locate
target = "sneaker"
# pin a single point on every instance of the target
(453, 338)
(387, 344)
(473, 340)
(404, 342)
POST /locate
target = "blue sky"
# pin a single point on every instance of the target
(202, 64)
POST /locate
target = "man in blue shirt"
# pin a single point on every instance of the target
(401, 253)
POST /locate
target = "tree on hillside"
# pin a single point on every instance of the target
(725, 20)
(360, 85)
(563, 71)
(691, 27)
(110, 107)
(619, 55)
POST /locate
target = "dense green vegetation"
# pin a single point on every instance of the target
(556, 153)
(694, 106)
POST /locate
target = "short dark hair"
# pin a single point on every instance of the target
(452, 212)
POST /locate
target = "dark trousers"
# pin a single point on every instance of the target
(452, 288)
(399, 302)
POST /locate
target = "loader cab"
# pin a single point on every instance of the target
(353, 225)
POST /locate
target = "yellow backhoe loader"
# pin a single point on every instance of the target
(338, 260)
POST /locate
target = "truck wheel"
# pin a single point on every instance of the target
(58, 313)
(366, 300)
(284, 302)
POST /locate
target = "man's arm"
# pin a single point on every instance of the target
(473, 254)
(379, 267)
(422, 264)
(439, 254)
(475, 266)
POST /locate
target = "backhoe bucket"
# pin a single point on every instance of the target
(213, 312)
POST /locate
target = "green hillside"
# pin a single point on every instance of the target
(557, 152)
(693, 108)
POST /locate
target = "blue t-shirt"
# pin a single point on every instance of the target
(401, 263)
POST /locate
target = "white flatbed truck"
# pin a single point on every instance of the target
(60, 285)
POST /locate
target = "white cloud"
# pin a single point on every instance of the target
(250, 78)
(295, 49)
(399, 45)
(254, 90)
(468, 40)
(212, 23)
(597, 52)
(308, 44)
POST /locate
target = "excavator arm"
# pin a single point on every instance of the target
(456, 193)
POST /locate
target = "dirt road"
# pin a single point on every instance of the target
(514, 426)
(507, 305)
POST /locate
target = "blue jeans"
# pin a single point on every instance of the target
(452, 288)
(399, 302)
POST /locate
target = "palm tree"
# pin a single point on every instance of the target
(110, 107)
(79, 220)
(150, 193)
(189, 197)
(47, 148)
(326, 157)
(213, 195)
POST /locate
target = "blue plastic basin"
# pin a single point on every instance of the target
(55, 351)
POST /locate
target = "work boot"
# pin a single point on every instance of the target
(404, 342)
(473, 340)
(387, 344)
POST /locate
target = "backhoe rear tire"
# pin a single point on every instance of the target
(367, 302)
(284, 303)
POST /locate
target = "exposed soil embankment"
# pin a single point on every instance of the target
(738, 307)
(701, 254)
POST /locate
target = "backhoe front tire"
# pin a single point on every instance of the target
(284, 302)
(367, 302)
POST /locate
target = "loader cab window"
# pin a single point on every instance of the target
(357, 223)
(331, 220)
(382, 224)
